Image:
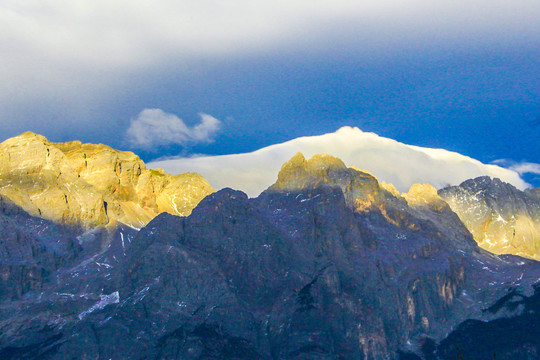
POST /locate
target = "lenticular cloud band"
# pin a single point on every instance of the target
(390, 161)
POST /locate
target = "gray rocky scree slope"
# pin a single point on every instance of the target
(325, 264)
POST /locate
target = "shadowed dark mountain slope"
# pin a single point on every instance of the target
(325, 264)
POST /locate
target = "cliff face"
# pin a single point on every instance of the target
(502, 219)
(31, 249)
(92, 185)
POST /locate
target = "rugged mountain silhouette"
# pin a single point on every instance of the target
(325, 264)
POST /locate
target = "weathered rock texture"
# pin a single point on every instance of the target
(89, 184)
(30, 250)
(502, 219)
(325, 264)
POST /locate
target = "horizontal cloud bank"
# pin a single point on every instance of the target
(387, 159)
(154, 127)
(70, 46)
(526, 168)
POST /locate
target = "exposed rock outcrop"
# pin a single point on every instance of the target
(502, 219)
(359, 188)
(424, 195)
(89, 184)
(30, 250)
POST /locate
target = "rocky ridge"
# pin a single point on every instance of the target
(326, 264)
(502, 219)
(92, 185)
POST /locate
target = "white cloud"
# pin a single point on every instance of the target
(520, 167)
(389, 160)
(154, 127)
(526, 168)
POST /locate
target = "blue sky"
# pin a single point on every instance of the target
(460, 75)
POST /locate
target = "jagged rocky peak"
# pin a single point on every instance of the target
(364, 194)
(502, 219)
(298, 172)
(486, 183)
(92, 185)
(361, 190)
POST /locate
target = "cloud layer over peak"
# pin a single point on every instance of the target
(390, 161)
(154, 127)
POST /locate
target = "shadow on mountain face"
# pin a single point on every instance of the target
(505, 338)
(31, 249)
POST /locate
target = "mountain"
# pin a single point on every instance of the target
(502, 219)
(92, 185)
(327, 263)
(390, 161)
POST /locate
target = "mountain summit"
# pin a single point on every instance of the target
(322, 169)
(91, 185)
(502, 219)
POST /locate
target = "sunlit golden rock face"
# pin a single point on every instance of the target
(92, 185)
(299, 173)
(425, 195)
(390, 188)
(502, 219)
(361, 190)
